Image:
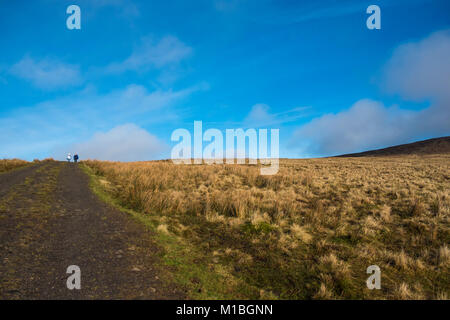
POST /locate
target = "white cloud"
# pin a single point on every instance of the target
(63, 121)
(259, 114)
(421, 70)
(126, 142)
(89, 107)
(366, 124)
(136, 99)
(47, 74)
(150, 54)
(416, 71)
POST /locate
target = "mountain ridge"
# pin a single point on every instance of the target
(439, 145)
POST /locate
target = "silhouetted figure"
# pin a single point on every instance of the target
(69, 157)
(75, 158)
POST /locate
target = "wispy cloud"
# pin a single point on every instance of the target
(285, 13)
(152, 54)
(127, 8)
(47, 74)
(226, 5)
(260, 116)
(68, 119)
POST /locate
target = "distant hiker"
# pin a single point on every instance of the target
(75, 158)
(69, 157)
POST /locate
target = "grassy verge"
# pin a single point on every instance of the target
(7, 165)
(187, 265)
(11, 164)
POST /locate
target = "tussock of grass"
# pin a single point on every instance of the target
(308, 232)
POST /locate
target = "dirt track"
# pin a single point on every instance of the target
(50, 219)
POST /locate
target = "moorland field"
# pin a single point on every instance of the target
(308, 232)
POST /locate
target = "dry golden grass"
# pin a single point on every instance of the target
(311, 230)
(9, 164)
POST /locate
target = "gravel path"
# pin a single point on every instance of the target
(50, 219)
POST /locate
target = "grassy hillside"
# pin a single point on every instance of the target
(308, 232)
(425, 147)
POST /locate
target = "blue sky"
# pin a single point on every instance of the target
(137, 70)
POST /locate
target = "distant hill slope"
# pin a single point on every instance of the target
(430, 146)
